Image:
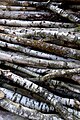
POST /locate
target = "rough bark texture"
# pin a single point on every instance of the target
(40, 59)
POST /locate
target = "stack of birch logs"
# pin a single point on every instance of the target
(40, 58)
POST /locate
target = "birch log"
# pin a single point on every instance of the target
(63, 13)
(67, 102)
(22, 91)
(39, 90)
(33, 104)
(56, 83)
(71, 92)
(36, 62)
(74, 77)
(62, 73)
(74, 7)
(16, 8)
(56, 36)
(52, 83)
(24, 111)
(29, 51)
(25, 15)
(50, 6)
(62, 89)
(20, 8)
(22, 23)
(64, 92)
(27, 3)
(37, 70)
(59, 11)
(52, 48)
(75, 86)
(8, 29)
(27, 102)
(21, 69)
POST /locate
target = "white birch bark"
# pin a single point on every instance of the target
(64, 14)
(37, 70)
(29, 51)
(16, 8)
(62, 73)
(25, 101)
(56, 83)
(50, 6)
(24, 111)
(38, 90)
(8, 29)
(25, 15)
(39, 44)
(22, 69)
(33, 104)
(22, 23)
(36, 62)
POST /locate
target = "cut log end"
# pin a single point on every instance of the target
(2, 95)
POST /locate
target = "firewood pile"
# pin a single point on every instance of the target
(40, 58)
